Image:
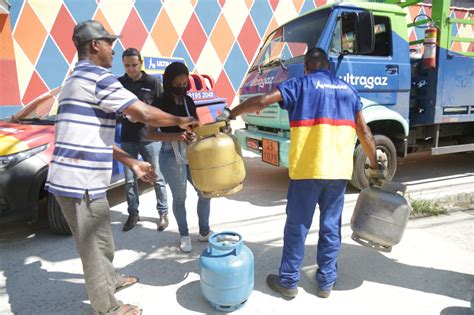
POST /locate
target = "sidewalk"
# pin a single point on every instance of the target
(429, 272)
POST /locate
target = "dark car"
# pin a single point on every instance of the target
(26, 147)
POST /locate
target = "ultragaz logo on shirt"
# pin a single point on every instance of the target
(319, 85)
(368, 82)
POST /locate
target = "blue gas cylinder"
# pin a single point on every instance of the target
(227, 272)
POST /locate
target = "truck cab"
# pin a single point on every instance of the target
(368, 47)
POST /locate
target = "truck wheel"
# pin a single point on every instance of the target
(57, 222)
(386, 153)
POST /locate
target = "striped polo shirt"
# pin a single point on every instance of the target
(322, 110)
(85, 130)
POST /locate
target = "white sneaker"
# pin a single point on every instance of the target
(186, 245)
(204, 238)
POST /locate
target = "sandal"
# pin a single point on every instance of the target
(128, 309)
(125, 282)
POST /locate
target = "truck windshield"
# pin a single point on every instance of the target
(292, 40)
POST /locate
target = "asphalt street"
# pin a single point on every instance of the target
(429, 272)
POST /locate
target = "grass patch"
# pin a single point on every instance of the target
(425, 208)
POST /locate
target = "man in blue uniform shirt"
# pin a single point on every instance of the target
(325, 115)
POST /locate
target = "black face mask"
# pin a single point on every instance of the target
(179, 90)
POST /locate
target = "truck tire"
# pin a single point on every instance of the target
(386, 153)
(56, 220)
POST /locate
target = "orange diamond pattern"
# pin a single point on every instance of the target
(164, 34)
(30, 34)
(99, 16)
(222, 38)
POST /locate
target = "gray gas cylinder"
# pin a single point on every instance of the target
(380, 216)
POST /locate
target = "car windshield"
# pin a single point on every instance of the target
(292, 40)
(41, 109)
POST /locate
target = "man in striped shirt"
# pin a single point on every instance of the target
(81, 166)
(325, 114)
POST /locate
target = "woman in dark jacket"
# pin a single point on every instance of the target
(173, 161)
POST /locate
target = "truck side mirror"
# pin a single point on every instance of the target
(357, 33)
(365, 33)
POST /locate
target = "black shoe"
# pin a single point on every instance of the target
(163, 222)
(131, 222)
(273, 282)
(323, 293)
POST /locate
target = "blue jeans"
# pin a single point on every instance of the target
(150, 153)
(303, 195)
(177, 175)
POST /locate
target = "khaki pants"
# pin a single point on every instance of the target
(90, 225)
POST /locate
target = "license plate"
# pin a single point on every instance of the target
(270, 152)
(253, 144)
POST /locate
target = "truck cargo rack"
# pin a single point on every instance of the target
(442, 20)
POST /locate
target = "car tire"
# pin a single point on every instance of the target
(386, 153)
(56, 220)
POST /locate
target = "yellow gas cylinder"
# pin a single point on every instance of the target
(215, 161)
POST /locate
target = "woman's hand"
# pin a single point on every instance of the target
(187, 136)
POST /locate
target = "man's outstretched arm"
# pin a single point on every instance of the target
(256, 103)
(153, 116)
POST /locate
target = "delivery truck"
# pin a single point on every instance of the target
(416, 95)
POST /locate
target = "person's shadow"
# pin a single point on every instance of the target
(256, 189)
(28, 260)
(457, 310)
(34, 286)
(162, 264)
(29, 281)
(356, 264)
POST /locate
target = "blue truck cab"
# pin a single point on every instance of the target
(408, 107)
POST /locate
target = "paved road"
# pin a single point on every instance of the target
(429, 272)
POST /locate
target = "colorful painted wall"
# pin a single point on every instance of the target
(217, 37)
(9, 91)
